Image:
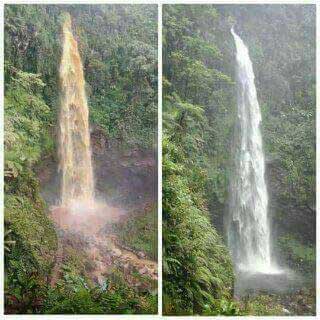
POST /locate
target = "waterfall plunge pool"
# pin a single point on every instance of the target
(273, 281)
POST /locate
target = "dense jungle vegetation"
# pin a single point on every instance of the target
(118, 46)
(199, 114)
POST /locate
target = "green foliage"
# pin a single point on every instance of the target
(26, 116)
(73, 296)
(120, 67)
(7, 240)
(301, 302)
(24, 217)
(27, 124)
(196, 265)
(139, 232)
(24, 286)
(31, 47)
(225, 307)
(298, 256)
(290, 140)
(197, 270)
(118, 47)
(262, 305)
(29, 261)
(122, 71)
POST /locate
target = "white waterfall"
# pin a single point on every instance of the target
(248, 227)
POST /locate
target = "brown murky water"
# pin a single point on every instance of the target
(74, 136)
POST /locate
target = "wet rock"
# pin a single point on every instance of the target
(126, 266)
(154, 277)
(107, 260)
(101, 280)
(285, 311)
(100, 265)
(143, 270)
(116, 252)
(141, 255)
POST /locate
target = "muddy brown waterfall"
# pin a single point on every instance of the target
(77, 185)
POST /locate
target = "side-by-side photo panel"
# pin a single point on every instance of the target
(239, 215)
(80, 169)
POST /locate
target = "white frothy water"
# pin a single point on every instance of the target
(248, 227)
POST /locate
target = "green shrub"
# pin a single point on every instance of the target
(262, 305)
(139, 232)
(197, 268)
(73, 296)
(298, 256)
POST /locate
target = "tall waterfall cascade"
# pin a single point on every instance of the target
(77, 184)
(248, 229)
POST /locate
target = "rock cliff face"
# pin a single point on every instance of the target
(126, 177)
(122, 178)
